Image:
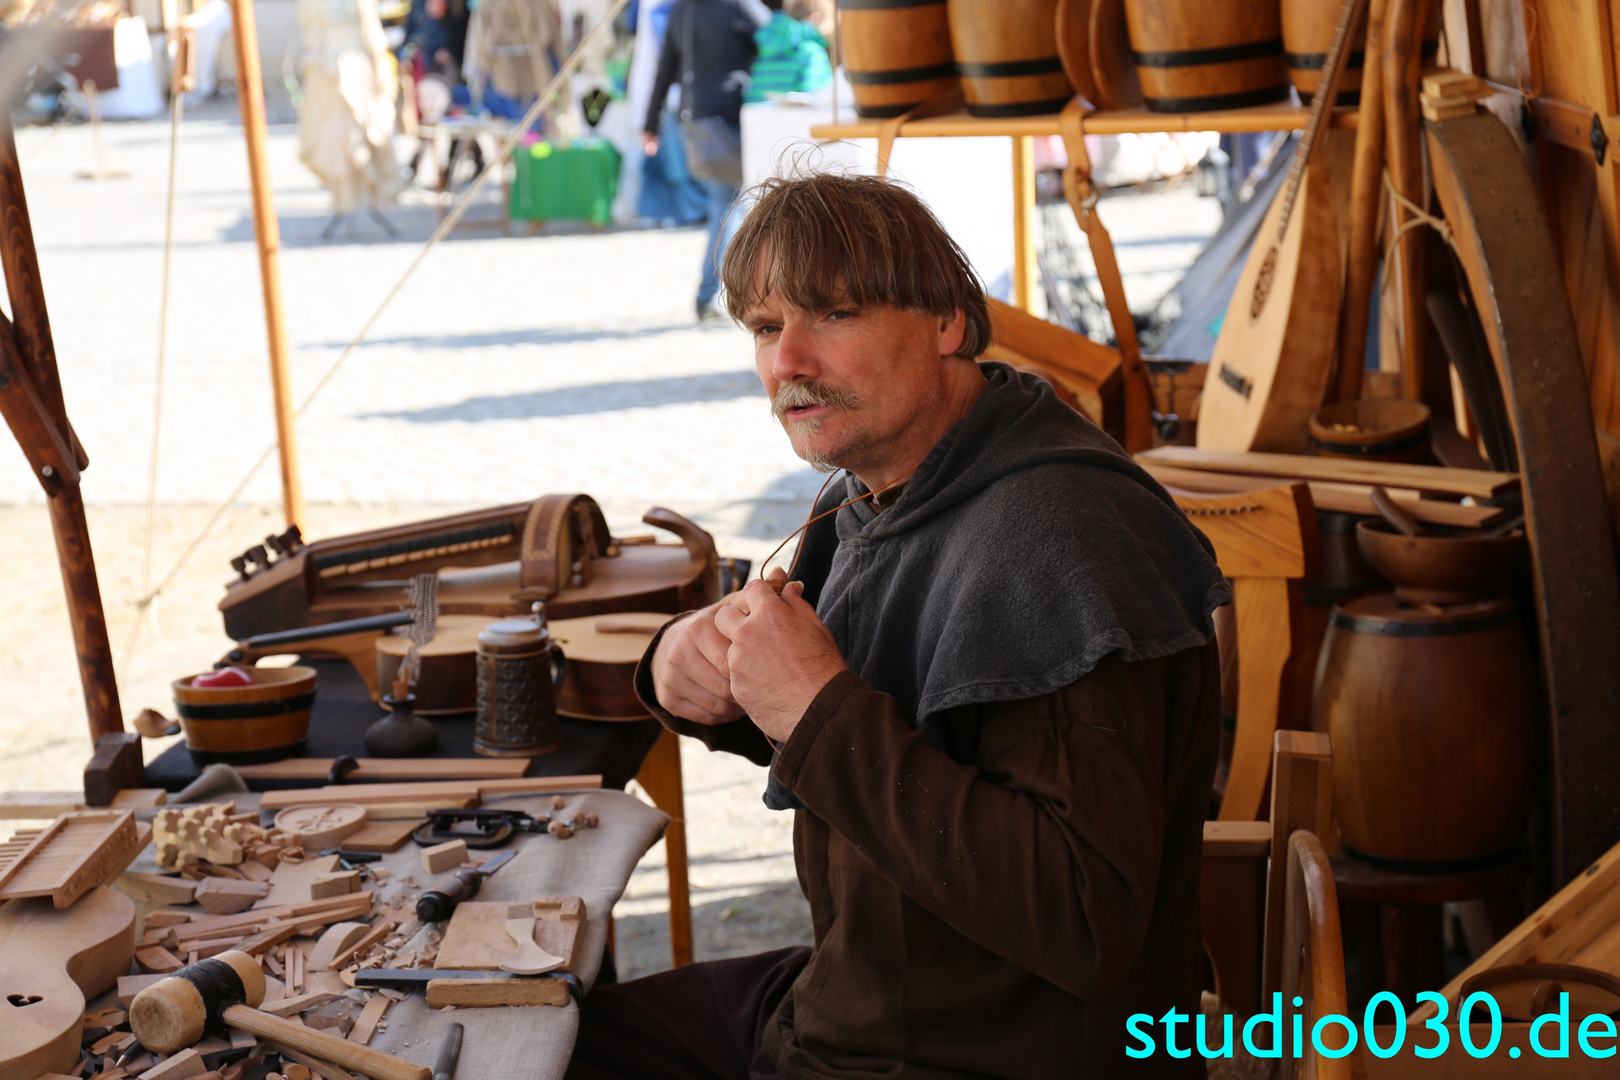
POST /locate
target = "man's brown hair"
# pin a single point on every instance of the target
(861, 240)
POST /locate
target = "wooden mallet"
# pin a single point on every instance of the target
(173, 1013)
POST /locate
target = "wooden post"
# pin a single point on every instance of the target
(1366, 196)
(250, 95)
(1025, 272)
(1403, 29)
(1301, 798)
(660, 777)
(43, 420)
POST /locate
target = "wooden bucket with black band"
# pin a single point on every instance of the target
(1307, 30)
(1006, 52)
(1198, 56)
(267, 721)
(897, 53)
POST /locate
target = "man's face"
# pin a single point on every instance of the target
(849, 383)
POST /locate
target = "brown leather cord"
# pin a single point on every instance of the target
(888, 130)
(1082, 197)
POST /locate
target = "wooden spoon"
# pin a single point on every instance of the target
(1398, 516)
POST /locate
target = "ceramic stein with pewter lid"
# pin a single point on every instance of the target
(519, 670)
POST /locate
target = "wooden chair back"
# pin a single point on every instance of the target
(1313, 961)
(1265, 541)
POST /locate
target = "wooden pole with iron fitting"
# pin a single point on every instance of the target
(250, 96)
(32, 406)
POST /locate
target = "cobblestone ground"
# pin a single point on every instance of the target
(508, 367)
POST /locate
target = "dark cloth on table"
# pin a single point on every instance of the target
(700, 1022)
(343, 711)
(723, 50)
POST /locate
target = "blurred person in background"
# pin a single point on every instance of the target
(709, 49)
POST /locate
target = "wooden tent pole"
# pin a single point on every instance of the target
(31, 400)
(250, 96)
(1367, 190)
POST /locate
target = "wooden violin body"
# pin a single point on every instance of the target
(51, 962)
(1274, 355)
(493, 563)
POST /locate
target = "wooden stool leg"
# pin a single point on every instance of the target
(1369, 945)
(660, 776)
(1413, 953)
(1503, 911)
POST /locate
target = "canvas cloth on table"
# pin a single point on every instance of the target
(534, 1042)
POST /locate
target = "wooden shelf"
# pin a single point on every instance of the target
(1283, 116)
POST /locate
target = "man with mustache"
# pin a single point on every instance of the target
(990, 694)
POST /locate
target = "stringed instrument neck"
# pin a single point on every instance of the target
(1326, 90)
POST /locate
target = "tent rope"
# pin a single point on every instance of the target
(144, 604)
(450, 221)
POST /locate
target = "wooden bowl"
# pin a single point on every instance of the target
(267, 721)
(1437, 569)
(1373, 429)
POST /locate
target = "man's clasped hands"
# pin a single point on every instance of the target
(754, 653)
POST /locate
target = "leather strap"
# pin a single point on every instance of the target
(561, 530)
(938, 105)
(1082, 196)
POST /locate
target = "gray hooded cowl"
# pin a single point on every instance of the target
(1024, 549)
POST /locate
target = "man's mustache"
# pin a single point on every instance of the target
(801, 395)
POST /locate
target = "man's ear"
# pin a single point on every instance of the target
(951, 332)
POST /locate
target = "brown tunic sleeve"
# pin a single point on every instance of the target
(1048, 849)
(738, 737)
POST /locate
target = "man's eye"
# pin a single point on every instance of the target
(840, 314)
(768, 328)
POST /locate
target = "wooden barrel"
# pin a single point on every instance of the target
(1307, 30)
(244, 725)
(897, 53)
(1433, 716)
(1006, 52)
(1203, 55)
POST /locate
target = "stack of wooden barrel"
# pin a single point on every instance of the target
(1028, 57)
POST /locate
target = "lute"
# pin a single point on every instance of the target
(1274, 355)
(51, 961)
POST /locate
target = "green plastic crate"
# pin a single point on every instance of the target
(575, 180)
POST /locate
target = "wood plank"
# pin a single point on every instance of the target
(336, 909)
(381, 836)
(1280, 117)
(302, 1003)
(1301, 798)
(290, 881)
(155, 888)
(365, 1025)
(426, 790)
(373, 770)
(476, 938)
(1236, 839)
(488, 993)
(1557, 932)
(1476, 482)
(1327, 495)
